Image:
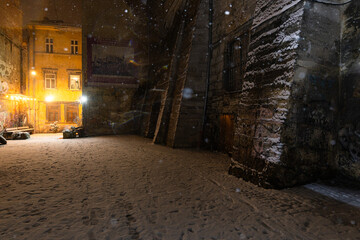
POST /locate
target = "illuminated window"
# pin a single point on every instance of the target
(50, 80)
(53, 112)
(49, 43)
(74, 83)
(72, 113)
(74, 47)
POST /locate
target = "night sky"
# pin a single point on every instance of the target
(67, 10)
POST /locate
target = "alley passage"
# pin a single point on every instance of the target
(125, 187)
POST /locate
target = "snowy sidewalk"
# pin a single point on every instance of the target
(125, 187)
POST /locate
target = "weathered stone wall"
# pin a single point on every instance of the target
(285, 114)
(349, 106)
(266, 90)
(226, 28)
(189, 109)
(180, 116)
(310, 128)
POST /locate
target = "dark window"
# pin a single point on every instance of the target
(49, 43)
(53, 113)
(235, 61)
(72, 113)
(74, 47)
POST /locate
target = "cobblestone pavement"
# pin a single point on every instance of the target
(125, 187)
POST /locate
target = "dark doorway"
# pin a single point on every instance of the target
(226, 139)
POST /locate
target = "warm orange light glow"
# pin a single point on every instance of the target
(49, 98)
(33, 72)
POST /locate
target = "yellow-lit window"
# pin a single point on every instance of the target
(53, 112)
(72, 113)
(74, 83)
(50, 80)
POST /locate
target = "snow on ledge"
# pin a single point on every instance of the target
(272, 8)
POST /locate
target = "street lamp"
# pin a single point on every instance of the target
(49, 98)
(83, 99)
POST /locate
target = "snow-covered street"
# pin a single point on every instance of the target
(125, 187)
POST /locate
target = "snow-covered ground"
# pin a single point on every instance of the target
(124, 187)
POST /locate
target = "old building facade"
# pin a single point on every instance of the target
(55, 76)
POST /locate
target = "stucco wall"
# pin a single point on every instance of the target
(61, 62)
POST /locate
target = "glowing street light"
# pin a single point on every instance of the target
(49, 98)
(83, 99)
(33, 72)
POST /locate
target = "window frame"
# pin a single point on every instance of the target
(53, 106)
(49, 45)
(77, 72)
(74, 47)
(66, 110)
(78, 75)
(235, 62)
(48, 72)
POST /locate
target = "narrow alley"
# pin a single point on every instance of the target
(125, 187)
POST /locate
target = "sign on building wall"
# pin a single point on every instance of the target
(111, 63)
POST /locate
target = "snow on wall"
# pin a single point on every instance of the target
(267, 9)
(269, 75)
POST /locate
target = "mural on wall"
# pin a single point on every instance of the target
(111, 62)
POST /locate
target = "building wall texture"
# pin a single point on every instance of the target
(286, 113)
(180, 119)
(12, 67)
(348, 158)
(63, 63)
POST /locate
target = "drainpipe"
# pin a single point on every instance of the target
(34, 79)
(208, 71)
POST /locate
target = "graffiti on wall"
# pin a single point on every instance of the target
(5, 69)
(4, 87)
(5, 72)
(3, 116)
